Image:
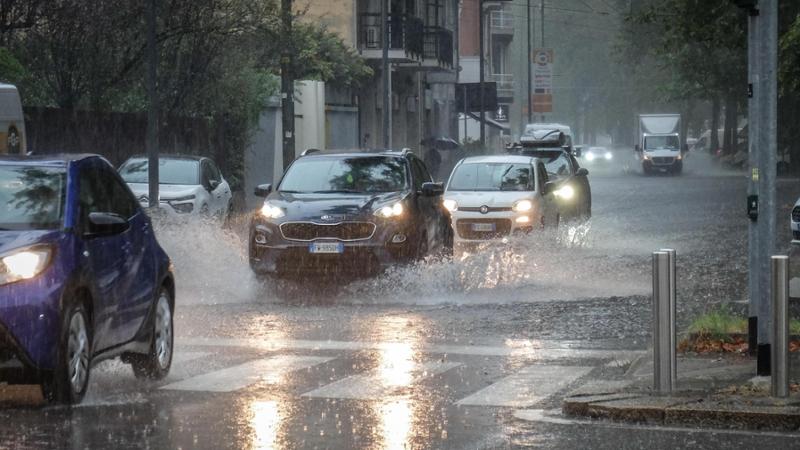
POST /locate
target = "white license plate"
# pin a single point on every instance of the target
(326, 247)
(483, 227)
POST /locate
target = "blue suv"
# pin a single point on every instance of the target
(82, 277)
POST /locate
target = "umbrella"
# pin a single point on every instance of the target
(441, 143)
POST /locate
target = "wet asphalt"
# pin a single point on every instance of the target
(438, 355)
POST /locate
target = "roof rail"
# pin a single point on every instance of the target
(406, 151)
(310, 151)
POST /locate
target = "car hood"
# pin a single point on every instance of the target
(165, 191)
(499, 199)
(10, 240)
(337, 206)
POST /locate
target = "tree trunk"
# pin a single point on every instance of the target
(714, 139)
(729, 139)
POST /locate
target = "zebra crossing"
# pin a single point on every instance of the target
(399, 369)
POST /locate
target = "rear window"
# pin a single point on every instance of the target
(31, 198)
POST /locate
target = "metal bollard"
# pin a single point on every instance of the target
(664, 363)
(780, 326)
(673, 307)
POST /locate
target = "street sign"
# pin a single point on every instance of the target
(543, 80)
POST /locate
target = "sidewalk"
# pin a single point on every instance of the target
(715, 392)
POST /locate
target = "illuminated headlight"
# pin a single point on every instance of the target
(609, 156)
(451, 205)
(23, 264)
(646, 157)
(590, 156)
(566, 192)
(270, 211)
(679, 157)
(388, 212)
(522, 206)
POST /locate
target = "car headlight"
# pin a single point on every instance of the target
(679, 157)
(590, 156)
(185, 198)
(23, 264)
(387, 212)
(609, 156)
(450, 204)
(646, 157)
(522, 206)
(566, 192)
(271, 211)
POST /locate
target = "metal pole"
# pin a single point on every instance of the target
(753, 131)
(662, 328)
(767, 144)
(780, 326)
(673, 303)
(152, 110)
(287, 85)
(481, 75)
(530, 69)
(386, 75)
(541, 5)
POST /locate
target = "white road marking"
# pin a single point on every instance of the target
(271, 370)
(555, 417)
(382, 382)
(529, 386)
(473, 350)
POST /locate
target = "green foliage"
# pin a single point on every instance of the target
(790, 59)
(721, 323)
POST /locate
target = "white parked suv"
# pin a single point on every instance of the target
(491, 197)
(187, 185)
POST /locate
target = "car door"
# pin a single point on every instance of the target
(222, 192)
(428, 206)
(548, 199)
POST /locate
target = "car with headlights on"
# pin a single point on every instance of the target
(188, 185)
(492, 197)
(598, 156)
(82, 276)
(348, 213)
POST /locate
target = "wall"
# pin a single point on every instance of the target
(339, 16)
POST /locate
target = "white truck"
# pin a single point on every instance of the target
(659, 147)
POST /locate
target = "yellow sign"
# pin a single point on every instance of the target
(755, 173)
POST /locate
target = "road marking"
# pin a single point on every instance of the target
(529, 386)
(472, 350)
(271, 370)
(382, 382)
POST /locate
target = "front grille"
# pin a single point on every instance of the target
(502, 227)
(478, 209)
(796, 214)
(663, 160)
(344, 231)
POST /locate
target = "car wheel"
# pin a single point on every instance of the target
(155, 364)
(422, 247)
(204, 210)
(70, 379)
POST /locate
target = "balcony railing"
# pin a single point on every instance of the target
(505, 84)
(438, 45)
(405, 33)
(501, 21)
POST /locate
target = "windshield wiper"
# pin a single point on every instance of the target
(338, 191)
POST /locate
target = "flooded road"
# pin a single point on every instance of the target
(435, 355)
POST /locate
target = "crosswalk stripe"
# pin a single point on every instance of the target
(527, 387)
(270, 369)
(381, 382)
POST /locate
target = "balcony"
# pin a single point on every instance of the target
(438, 47)
(405, 37)
(501, 22)
(505, 86)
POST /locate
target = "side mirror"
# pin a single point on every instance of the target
(578, 151)
(213, 184)
(582, 172)
(637, 148)
(432, 189)
(550, 187)
(106, 224)
(263, 190)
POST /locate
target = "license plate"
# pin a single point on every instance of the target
(483, 227)
(326, 247)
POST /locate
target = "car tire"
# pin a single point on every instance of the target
(155, 364)
(422, 247)
(70, 379)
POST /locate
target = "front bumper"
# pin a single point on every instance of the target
(272, 253)
(796, 230)
(471, 227)
(663, 164)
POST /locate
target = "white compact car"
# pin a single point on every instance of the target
(491, 197)
(795, 222)
(598, 155)
(187, 185)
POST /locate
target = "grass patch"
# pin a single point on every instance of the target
(721, 324)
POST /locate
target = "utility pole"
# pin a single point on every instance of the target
(287, 84)
(386, 76)
(541, 5)
(530, 69)
(152, 110)
(481, 70)
(753, 132)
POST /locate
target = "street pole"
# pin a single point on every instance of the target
(152, 110)
(386, 77)
(287, 85)
(767, 87)
(541, 5)
(753, 131)
(530, 62)
(481, 76)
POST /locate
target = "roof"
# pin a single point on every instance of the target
(356, 152)
(171, 156)
(494, 159)
(58, 160)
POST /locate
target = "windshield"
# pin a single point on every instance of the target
(170, 171)
(32, 198)
(356, 174)
(661, 143)
(492, 177)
